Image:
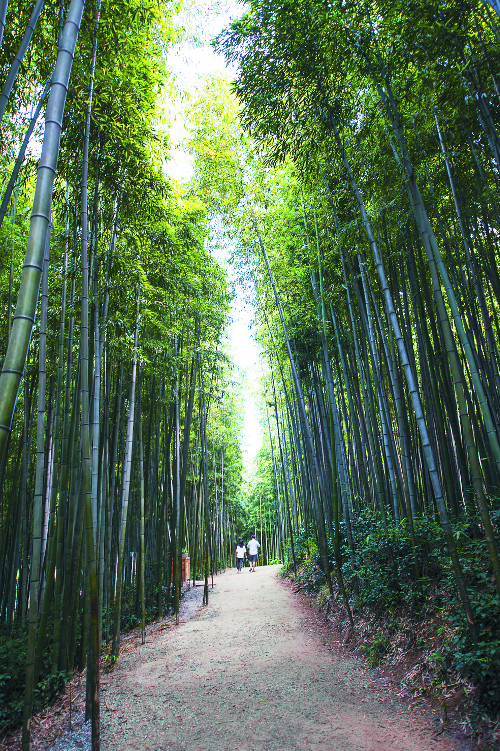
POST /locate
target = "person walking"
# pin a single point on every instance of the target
(241, 554)
(253, 546)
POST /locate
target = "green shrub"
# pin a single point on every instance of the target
(391, 574)
(480, 663)
(13, 676)
(384, 567)
(310, 576)
(13, 662)
(304, 545)
(383, 563)
(378, 648)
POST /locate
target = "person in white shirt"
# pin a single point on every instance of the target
(253, 550)
(241, 554)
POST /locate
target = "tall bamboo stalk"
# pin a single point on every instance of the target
(24, 316)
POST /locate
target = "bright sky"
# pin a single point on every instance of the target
(246, 356)
(192, 64)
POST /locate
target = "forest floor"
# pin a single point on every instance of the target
(257, 670)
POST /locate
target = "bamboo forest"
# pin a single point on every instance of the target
(342, 183)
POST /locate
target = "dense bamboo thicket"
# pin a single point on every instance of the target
(119, 421)
(362, 197)
(374, 241)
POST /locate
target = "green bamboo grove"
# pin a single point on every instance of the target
(356, 167)
(119, 420)
(373, 233)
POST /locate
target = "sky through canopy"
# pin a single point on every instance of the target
(192, 62)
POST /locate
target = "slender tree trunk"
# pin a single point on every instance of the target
(22, 151)
(24, 316)
(414, 393)
(313, 461)
(126, 489)
(142, 546)
(18, 59)
(37, 508)
(3, 12)
(92, 708)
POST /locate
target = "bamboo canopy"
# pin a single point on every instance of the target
(352, 168)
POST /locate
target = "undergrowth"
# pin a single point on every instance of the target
(12, 679)
(13, 643)
(398, 587)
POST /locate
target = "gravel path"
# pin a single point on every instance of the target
(255, 672)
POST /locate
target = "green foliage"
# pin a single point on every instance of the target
(109, 658)
(12, 660)
(378, 648)
(345, 98)
(217, 144)
(384, 561)
(49, 686)
(384, 569)
(479, 663)
(310, 576)
(305, 547)
(12, 678)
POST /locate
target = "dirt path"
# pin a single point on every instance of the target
(253, 672)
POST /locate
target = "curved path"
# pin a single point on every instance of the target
(253, 672)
